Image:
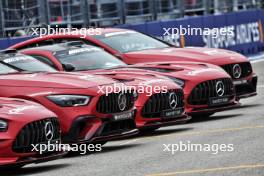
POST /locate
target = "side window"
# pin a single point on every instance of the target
(44, 60)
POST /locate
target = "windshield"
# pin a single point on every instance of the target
(5, 69)
(28, 63)
(88, 59)
(130, 41)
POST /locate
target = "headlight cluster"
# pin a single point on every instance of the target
(178, 81)
(3, 126)
(69, 100)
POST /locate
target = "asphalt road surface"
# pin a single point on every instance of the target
(243, 128)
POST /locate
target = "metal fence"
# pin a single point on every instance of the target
(22, 14)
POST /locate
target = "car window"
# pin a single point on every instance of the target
(44, 60)
(130, 41)
(88, 58)
(28, 63)
(5, 69)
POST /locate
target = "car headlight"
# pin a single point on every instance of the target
(3, 126)
(178, 81)
(69, 100)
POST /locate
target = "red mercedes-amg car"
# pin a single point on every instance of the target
(22, 125)
(87, 103)
(86, 113)
(207, 88)
(133, 47)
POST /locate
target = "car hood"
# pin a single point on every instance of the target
(192, 71)
(22, 111)
(194, 54)
(134, 77)
(54, 80)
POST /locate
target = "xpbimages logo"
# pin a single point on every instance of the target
(58, 147)
(48, 30)
(188, 146)
(143, 88)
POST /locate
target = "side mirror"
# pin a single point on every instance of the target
(68, 67)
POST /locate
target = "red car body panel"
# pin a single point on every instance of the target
(193, 73)
(245, 85)
(37, 86)
(19, 113)
(132, 79)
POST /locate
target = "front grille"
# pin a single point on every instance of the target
(158, 103)
(202, 93)
(34, 133)
(245, 66)
(109, 103)
(117, 127)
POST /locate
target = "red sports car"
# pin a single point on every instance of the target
(207, 88)
(133, 47)
(86, 113)
(89, 114)
(23, 123)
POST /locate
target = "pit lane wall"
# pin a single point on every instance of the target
(247, 37)
(247, 26)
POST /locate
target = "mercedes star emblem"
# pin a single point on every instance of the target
(173, 100)
(220, 88)
(122, 101)
(237, 71)
(49, 131)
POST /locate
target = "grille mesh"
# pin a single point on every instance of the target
(160, 102)
(201, 94)
(245, 66)
(109, 104)
(34, 133)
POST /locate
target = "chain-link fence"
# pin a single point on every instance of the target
(22, 14)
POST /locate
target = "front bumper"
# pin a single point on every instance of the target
(89, 129)
(159, 122)
(246, 88)
(34, 159)
(197, 111)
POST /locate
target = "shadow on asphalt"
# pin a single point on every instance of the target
(158, 132)
(213, 118)
(119, 147)
(104, 150)
(162, 131)
(33, 170)
(249, 106)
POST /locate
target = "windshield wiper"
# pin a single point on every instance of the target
(12, 66)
